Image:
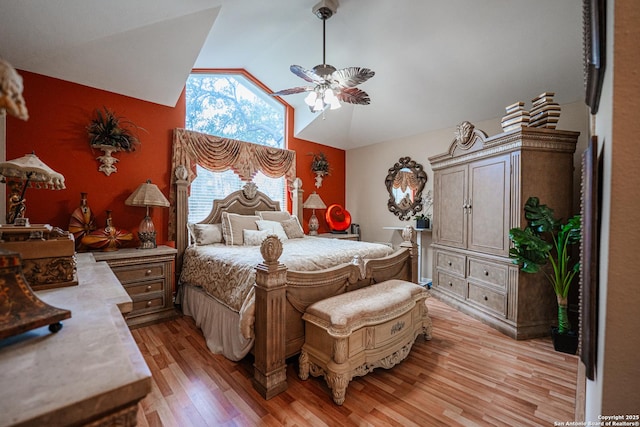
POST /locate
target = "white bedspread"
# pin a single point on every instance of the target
(228, 272)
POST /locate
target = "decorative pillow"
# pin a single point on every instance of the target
(292, 228)
(274, 227)
(206, 234)
(274, 215)
(233, 224)
(254, 237)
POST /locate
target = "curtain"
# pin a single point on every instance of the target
(219, 154)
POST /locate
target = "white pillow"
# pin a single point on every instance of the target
(234, 224)
(274, 215)
(292, 228)
(274, 227)
(206, 234)
(254, 237)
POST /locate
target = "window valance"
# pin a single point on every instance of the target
(219, 154)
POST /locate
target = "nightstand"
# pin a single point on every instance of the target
(344, 236)
(147, 276)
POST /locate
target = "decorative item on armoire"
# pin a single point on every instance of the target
(516, 117)
(82, 222)
(147, 195)
(108, 238)
(110, 133)
(320, 167)
(544, 112)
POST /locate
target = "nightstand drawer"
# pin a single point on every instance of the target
(146, 304)
(145, 288)
(136, 273)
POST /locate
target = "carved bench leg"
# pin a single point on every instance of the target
(303, 372)
(338, 384)
(427, 324)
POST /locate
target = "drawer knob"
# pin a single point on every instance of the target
(148, 303)
(450, 284)
(148, 288)
(486, 273)
(449, 263)
(486, 298)
(148, 272)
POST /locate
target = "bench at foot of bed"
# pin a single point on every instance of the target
(351, 334)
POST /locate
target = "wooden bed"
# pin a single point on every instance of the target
(281, 296)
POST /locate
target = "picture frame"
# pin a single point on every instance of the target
(589, 250)
(594, 32)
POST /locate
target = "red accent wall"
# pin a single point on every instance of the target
(59, 112)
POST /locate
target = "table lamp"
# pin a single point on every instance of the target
(147, 195)
(314, 202)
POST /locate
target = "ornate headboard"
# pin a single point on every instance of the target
(245, 202)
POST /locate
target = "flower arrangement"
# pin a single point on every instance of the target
(107, 129)
(319, 164)
(427, 205)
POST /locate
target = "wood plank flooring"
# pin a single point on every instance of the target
(467, 375)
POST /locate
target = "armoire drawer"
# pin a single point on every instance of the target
(488, 272)
(450, 262)
(452, 284)
(491, 300)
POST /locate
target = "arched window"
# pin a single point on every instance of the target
(231, 105)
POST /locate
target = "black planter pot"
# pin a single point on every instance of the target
(423, 223)
(564, 343)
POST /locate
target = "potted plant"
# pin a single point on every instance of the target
(319, 166)
(110, 133)
(547, 239)
(423, 219)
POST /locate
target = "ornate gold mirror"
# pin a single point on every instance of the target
(405, 182)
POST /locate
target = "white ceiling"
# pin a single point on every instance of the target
(437, 63)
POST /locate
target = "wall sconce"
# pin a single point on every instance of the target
(147, 195)
(314, 202)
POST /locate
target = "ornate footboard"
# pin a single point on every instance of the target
(282, 296)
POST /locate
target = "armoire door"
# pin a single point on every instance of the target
(489, 205)
(450, 217)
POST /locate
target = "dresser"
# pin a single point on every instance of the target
(480, 187)
(91, 372)
(147, 276)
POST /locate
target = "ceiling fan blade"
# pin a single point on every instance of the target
(293, 90)
(305, 74)
(353, 95)
(351, 76)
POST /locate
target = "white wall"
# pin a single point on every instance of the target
(367, 168)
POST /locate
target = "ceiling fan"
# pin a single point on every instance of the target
(330, 85)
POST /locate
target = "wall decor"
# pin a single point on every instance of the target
(405, 181)
(320, 167)
(589, 248)
(110, 133)
(594, 39)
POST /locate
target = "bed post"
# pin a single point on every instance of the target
(270, 376)
(409, 237)
(296, 198)
(182, 205)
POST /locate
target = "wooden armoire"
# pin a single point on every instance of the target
(480, 187)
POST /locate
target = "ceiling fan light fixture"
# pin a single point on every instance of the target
(331, 86)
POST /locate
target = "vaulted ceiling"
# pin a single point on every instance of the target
(437, 63)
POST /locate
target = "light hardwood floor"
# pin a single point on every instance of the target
(468, 374)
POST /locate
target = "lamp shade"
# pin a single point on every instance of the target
(30, 168)
(147, 194)
(314, 202)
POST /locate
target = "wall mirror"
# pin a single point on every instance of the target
(405, 182)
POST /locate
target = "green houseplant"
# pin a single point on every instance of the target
(544, 240)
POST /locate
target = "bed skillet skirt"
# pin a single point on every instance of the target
(219, 324)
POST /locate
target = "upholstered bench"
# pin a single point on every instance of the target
(351, 334)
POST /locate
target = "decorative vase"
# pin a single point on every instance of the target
(82, 222)
(107, 161)
(108, 238)
(423, 223)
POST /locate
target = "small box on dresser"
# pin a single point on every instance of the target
(147, 276)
